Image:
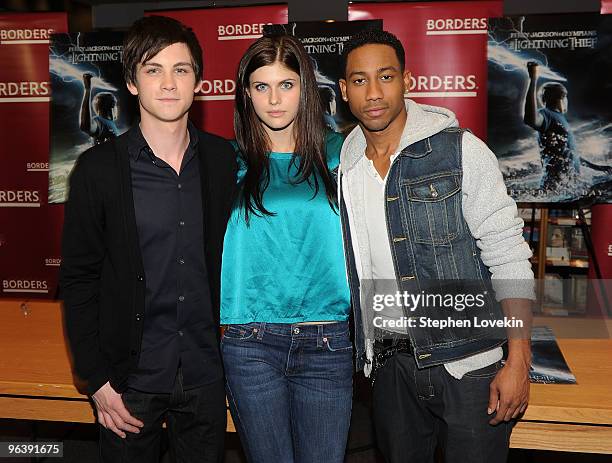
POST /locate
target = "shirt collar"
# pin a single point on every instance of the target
(137, 143)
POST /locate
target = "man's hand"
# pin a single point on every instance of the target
(533, 70)
(112, 414)
(509, 391)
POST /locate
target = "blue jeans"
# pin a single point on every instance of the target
(290, 390)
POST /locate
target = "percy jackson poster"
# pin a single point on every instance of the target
(90, 103)
(550, 118)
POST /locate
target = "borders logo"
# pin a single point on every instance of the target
(52, 262)
(37, 167)
(25, 286)
(456, 26)
(442, 86)
(217, 89)
(19, 198)
(240, 31)
(25, 92)
(25, 36)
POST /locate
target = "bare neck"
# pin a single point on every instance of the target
(167, 140)
(281, 141)
(382, 144)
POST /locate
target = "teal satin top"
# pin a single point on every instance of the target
(286, 268)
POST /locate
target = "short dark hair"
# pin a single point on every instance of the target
(373, 37)
(150, 35)
(104, 102)
(553, 91)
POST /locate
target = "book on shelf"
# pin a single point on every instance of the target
(553, 290)
(527, 233)
(565, 221)
(567, 216)
(525, 213)
(559, 236)
(579, 291)
(578, 249)
(557, 256)
(558, 245)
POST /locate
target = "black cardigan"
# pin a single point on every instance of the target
(102, 280)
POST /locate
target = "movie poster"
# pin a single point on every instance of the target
(550, 118)
(90, 103)
(324, 42)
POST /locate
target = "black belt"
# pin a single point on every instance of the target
(386, 342)
(386, 348)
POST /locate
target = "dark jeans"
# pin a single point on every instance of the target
(290, 390)
(196, 420)
(416, 409)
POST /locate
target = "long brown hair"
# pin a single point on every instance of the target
(308, 128)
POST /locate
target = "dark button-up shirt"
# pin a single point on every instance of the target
(178, 324)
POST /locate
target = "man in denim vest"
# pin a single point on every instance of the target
(423, 203)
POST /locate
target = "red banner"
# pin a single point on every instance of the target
(606, 6)
(29, 228)
(225, 34)
(601, 220)
(600, 295)
(446, 52)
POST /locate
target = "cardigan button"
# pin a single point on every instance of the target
(140, 278)
(133, 353)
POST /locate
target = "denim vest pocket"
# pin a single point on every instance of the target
(435, 208)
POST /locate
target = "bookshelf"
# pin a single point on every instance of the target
(560, 258)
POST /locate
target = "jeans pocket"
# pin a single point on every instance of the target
(238, 332)
(484, 373)
(338, 343)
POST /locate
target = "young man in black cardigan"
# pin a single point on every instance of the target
(141, 260)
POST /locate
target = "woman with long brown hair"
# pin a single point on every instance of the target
(285, 299)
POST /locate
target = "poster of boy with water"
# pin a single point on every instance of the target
(90, 103)
(550, 118)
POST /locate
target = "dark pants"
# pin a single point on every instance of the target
(414, 410)
(196, 420)
(290, 390)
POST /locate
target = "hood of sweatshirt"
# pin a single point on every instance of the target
(423, 121)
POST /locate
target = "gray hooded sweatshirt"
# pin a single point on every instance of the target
(489, 212)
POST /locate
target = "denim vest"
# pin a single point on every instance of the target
(430, 241)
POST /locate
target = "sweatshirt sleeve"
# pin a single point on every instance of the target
(492, 217)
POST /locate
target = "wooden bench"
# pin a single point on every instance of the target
(36, 382)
